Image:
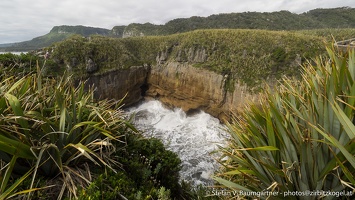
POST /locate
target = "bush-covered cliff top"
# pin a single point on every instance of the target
(250, 56)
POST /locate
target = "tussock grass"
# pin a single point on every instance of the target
(300, 137)
(50, 128)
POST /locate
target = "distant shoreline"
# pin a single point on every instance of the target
(14, 52)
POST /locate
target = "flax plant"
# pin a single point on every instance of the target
(299, 138)
(52, 129)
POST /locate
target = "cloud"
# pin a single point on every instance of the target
(23, 19)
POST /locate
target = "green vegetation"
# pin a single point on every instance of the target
(330, 34)
(58, 33)
(300, 137)
(135, 29)
(281, 20)
(250, 56)
(149, 172)
(50, 128)
(13, 60)
(333, 18)
(82, 30)
(107, 53)
(17, 65)
(55, 139)
(38, 42)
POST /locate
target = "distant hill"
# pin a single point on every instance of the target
(6, 45)
(333, 18)
(58, 33)
(343, 17)
(282, 20)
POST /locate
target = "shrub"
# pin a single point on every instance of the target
(149, 172)
(250, 56)
(15, 65)
(50, 128)
(301, 137)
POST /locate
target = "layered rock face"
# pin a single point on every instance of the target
(182, 85)
(128, 83)
(176, 83)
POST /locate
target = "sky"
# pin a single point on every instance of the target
(22, 20)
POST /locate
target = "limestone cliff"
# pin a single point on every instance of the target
(173, 83)
(182, 85)
(176, 82)
(211, 70)
(128, 83)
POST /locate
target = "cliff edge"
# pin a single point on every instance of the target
(212, 70)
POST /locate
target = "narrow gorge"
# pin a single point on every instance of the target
(174, 84)
(211, 70)
(185, 128)
(204, 71)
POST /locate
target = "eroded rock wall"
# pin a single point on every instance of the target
(182, 85)
(176, 84)
(120, 83)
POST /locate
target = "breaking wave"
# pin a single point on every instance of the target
(192, 137)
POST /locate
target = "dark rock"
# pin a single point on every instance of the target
(121, 83)
(197, 55)
(162, 57)
(181, 56)
(91, 66)
(74, 62)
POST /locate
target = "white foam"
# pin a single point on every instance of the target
(193, 138)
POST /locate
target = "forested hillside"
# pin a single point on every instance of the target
(333, 18)
(58, 33)
(282, 20)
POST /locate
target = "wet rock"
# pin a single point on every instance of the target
(121, 83)
(197, 175)
(193, 162)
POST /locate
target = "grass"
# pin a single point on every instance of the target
(300, 137)
(58, 142)
(50, 128)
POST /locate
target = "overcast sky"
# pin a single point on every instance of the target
(22, 20)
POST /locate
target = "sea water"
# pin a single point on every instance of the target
(192, 137)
